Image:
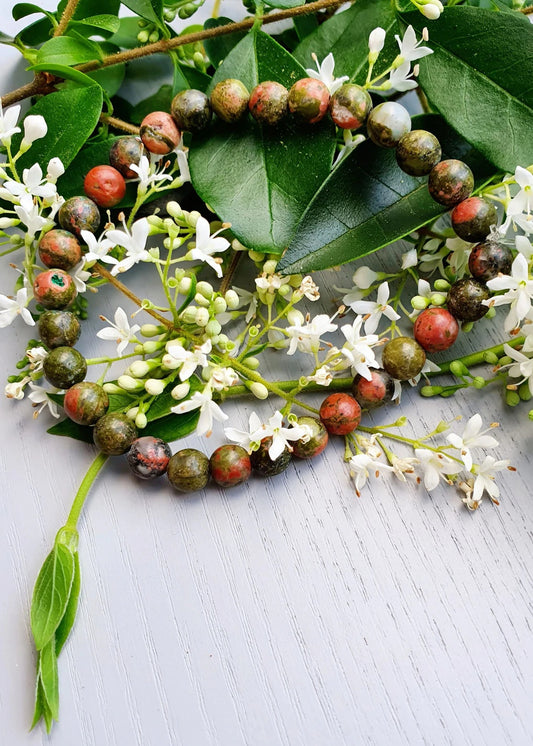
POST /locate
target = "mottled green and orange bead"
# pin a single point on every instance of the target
(340, 414)
(309, 100)
(148, 457)
(269, 102)
(191, 110)
(125, 152)
(54, 289)
(114, 433)
(317, 441)
(229, 100)
(105, 186)
(230, 465)
(79, 214)
(159, 133)
(387, 123)
(374, 392)
(473, 218)
(59, 249)
(465, 299)
(350, 106)
(450, 182)
(403, 358)
(418, 152)
(85, 403)
(188, 470)
(59, 328)
(264, 465)
(63, 367)
(488, 259)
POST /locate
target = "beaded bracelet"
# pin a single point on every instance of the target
(388, 125)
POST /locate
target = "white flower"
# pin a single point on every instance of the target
(431, 10)
(8, 122)
(39, 395)
(410, 49)
(306, 337)
(189, 360)
(484, 478)
(523, 245)
(270, 283)
(322, 376)
(98, 248)
(360, 467)
(29, 214)
(120, 331)
(374, 310)
(206, 245)
(35, 128)
(409, 258)
(80, 276)
(403, 466)
(281, 436)
(32, 183)
(358, 350)
(148, 173)
(364, 277)
(16, 390)
(472, 437)
(435, 465)
(429, 367)
(36, 356)
(519, 292)
(12, 307)
(134, 243)
(55, 170)
(309, 288)
(249, 439)
(351, 141)
(209, 410)
(523, 201)
(400, 79)
(376, 40)
(324, 73)
(223, 379)
(183, 163)
(522, 368)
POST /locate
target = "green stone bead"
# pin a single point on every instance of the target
(54, 288)
(264, 465)
(64, 366)
(350, 106)
(79, 214)
(188, 470)
(269, 103)
(114, 433)
(229, 100)
(309, 100)
(59, 329)
(403, 358)
(85, 403)
(316, 443)
(450, 182)
(418, 152)
(191, 110)
(387, 123)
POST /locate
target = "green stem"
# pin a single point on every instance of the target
(106, 360)
(83, 491)
(275, 388)
(476, 358)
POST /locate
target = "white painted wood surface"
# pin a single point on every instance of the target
(286, 612)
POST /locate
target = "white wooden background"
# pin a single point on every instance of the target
(285, 612)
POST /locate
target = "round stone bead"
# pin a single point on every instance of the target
(230, 465)
(159, 133)
(54, 288)
(59, 329)
(188, 470)
(64, 366)
(418, 152)
(309, 100)
(59, 249)
(269, 103)
(387, 123)
(435, 329)
(488, 259)
(340, 414)
(350, 106)
(229, 100)
(264, 465)
(148, 457)
(374, 393)
(403, 358)
(85, 403)
(114, 433)
(465, 299)
(125, 152)
(79, 214)
(317, 441)
(191, 110)
(105, 186)
(473, 218)
(450, 182)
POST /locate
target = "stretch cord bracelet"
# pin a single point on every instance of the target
(418, 153)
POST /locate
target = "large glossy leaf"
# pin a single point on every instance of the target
(368, 203)
(261, 179)
(218, 48)
(71, 116)
(152, 10)
(489, 57)
(346, 36)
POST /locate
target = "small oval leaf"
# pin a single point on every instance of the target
(51, 594)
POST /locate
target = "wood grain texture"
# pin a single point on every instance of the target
(285, 612)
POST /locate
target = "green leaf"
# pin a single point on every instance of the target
(346, 36)
(86, 8)
(368, 202)
(99, 23)
(49, 677)
(218, 48)
(21, 10)
(66, 624)
(36, 33)
(152, 10)
(65, 72)
(173, 426)
(488, 57)
(158, 101)
(41, 706)
(71, 116)
(305, 25)
(283, 3)
(51, 594)
(71, 429)
(64, 50)
(126, 36)
(120, 401)
(261, 179)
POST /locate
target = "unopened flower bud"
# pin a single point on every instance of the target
(295, 281)
(441, 285)
(256, 256)
(150, 330)
(202, 317)
(54, 170)
(259, 390)
(438, 299)
(189, 315)
(459, 369)
(170, 363)
(467, 326)
(142, 36)
(201, 300)
(376, 40)
(512, 398)
(236, 245)
(219, 305)
(154, 386)
(141, 421)
(530, 414)
(442, 427)
(269, 267)
(478, 382)
(285, 290)
(295, 317)
(112, 388)
(139, 368)
(8, 222)
(491, 313)
(419, 303)
(523, 392)
(253, 331)
(184, 285)
(35, 127)
(128, 383)
(152, 346)
(490, 357)
(180, 391)
(139, 349)
(193, 217)
(174, 210)
(252, 363)
(205, 288)
(132, 413)
(213, 328)
(364, 277)
(428, 391)
(232, 299)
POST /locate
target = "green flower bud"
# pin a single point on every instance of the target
(256, 256)
(156, 222)
(505, 360)
(459, 369)
(184, 285)
(428, 391)
(174, 210)
(530, 414)
(142, 36)
(252, 363)
(152, 346)
(219, 305)
(193, 217)
(253, 332)
(151, 330)
(201, 300)
(213, 328)
(419, 303)
(128, 383)
(259, 390)
(467, 326)
(442, 285)
(478, 382)
(295, 281)
(490, 357)
(232, 299)
(154, 36)
(491, 313)
(189, 315)
(236, 245)
(295, 317)
(270, 266)
(438, 299)
(112, 388)
(205, 288)
(139, 349)
(523, 392)
(132, 413)
(512, 398)
(285, 290)
(202, 317)
(141, 421)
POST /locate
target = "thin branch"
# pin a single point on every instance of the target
(226, 280)
(66, 17)
(119, 124)
(35, 86)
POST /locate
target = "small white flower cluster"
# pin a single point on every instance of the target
(282, 437)
(432, 464)
(401, 77)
